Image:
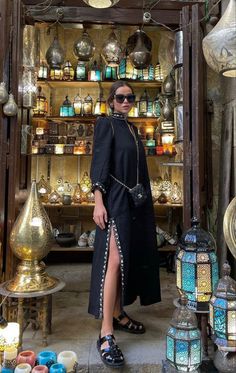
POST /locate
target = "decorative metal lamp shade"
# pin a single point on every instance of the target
(229, 226)
(197, 267)
(112, 51)
(223, 312)
(101, 3)
(126, 69)
(84, 47)
(183, 340)
(219, 45)
(140, 56)
(55, 55)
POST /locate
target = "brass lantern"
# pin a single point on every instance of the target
(88, 105)
(77, 104)
(41, 104)
(68, 71)
(112, 51)
(55, 59)
(84, 47)
(100, 105)
(197, 267)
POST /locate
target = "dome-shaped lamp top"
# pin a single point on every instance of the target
(226, 287)
(197, 238)
(101, 4)
(182, 317)
(132, 41)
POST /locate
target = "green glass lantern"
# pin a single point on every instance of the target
(80, 72)
(95, 73)
(126, 69)
(197, 267)
(67, 110)
(183, 339)
(110, 73)
(223, 312)
(145, 105)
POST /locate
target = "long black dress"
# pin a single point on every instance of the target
(115, 152)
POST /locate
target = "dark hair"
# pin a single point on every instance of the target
(113, 89)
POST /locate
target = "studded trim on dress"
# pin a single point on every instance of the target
(99, 186)
(111, 225)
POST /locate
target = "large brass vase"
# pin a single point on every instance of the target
(30, 240)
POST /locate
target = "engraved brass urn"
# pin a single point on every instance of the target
(30, 240)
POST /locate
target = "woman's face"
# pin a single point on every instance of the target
(126, 95)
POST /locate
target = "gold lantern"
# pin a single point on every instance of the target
(100, 105)
(77, 104)
(68, 71)
(41, 104)
(30, 240)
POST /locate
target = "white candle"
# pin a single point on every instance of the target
(10, 353)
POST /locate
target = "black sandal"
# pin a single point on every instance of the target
(112, 355)
(132, 326)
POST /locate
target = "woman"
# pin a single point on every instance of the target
(125, 263)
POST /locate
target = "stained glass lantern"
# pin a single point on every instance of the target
(112, 51)
(88, 105)
(126, 69)
(55, 74)
(100, 105)
(68, 71)
(197, 266)
(110, 73)
(95, 73)
(183, 340)
(9, 334)
(223, 312)
(43, 70)
(145, 105)
(158, 74)
(41, 104)
(80, 72)
(167, 142)
(78, 103)
(157, 105)
(67, 110)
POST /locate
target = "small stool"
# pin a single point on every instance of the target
(30, 308)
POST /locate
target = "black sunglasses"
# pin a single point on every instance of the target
(121, 98)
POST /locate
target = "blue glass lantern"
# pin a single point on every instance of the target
(197, 267)
(67, 110)
(223, 312)
(95, 73)
(183, 339)
(126, 69)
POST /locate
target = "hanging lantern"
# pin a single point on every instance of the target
(84, 47)
(197, 267)
(126, 69)
(95, 73)
(68, 71)
(88, 105)
(67, 110)
(140, 56)
(9, 334)
(101, 3)
(183, 340)
(132, 41)
(100, 105)
(223, 312)
(43, 70)
(41, 104)
(112, 51)
(55, 55)
(10, 108)
(78, 105)
(219, 45)
(169, 85)
(80, 72)
(3, 93)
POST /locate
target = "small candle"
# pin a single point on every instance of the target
(26, 357)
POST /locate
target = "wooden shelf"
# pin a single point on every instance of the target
(56, 247)
(91, 118)
(103, 84)
(73, 205)
(156, 204)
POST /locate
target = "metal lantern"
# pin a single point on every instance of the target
(183, 340)
(68, 71)
(167, 140)
(67, 110)
(43, 70)
(126, 69)
(169, 85)
(112, 51)
(101, 3)
(110, 73)
(41, 104)
(197, 267)
(100, 105)
(223, 312)
(95, 73)
(133, 39)
(78, 105)
(10, 108)
(88, 105)
(84, 47)
(145, 105)
(55, 55)
(140, 56)
(158, 73)
(229, 226)
(80, 72)
(219, 45)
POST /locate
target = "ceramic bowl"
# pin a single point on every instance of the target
(66, 239)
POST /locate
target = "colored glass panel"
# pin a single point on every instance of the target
(221, 303)
(203, 278)
(202, 257)
(170, 348)
(189, 257)
(181, 352)
(195, 352)
(188, 277)
(232, 322)
(215, 275)
(179, 275)
(172, 331)
(220, 320)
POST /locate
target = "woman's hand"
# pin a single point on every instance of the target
(99, 212)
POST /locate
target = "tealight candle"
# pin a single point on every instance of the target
(26, 357)
(23, 368)
(40, 369)
(68, 359)
(9, 357)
